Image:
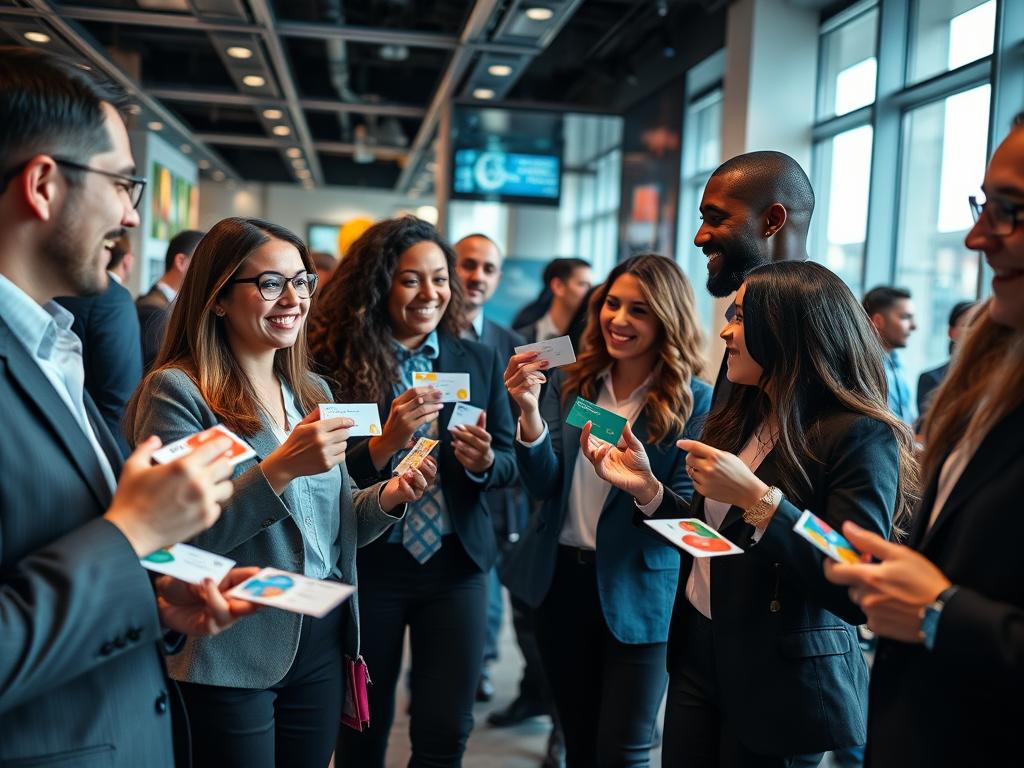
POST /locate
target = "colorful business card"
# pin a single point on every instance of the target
(825, 538)
(415, 457)
(694, 537)
(605, 425)
(238, 452)
(556, 352)
(454, 386)
(188, 563)
(463, 413)
(365, 415)
(293, 592)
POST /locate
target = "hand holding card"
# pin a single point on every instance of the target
(605, 425)
(454, 386)
(555, 352)
(238, 452)
(187, 563)
(292, 592)
(825, 538)
(365, 415)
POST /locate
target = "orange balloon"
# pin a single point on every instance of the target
(351, 231)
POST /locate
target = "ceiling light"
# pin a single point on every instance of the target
(155, 125)
(500, 70)
(37, 37)
(294, 152)
(539, 13)
(254, 81)
(281, 130)
(483, 93)
(239, 52)
(186, 149)
(273, 114)
(204, 164)
(218, 175)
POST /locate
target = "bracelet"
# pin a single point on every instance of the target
(764, 508)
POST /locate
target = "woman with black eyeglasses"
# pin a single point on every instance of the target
(271, 694)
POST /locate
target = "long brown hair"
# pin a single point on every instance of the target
(669, 401)
(196, 340)
(350, 328)
(985, 383)
(819, 354)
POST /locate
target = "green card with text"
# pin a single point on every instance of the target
(606, 425)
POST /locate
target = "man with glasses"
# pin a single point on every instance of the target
(81, 630)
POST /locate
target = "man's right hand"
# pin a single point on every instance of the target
(158, 506)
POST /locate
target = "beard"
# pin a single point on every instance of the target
(738, 256)
(85, 273)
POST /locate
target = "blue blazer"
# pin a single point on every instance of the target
(637, 571)
(463, 495)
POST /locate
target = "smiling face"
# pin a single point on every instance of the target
(257, 326)
(478, 265)
(1004, 188)
(730, 235)
(420, 293)
(742, 368)
(628, 324)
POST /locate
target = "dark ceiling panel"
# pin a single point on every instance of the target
(213, 118)
(257, 164)
(343, 171)
(418, 15)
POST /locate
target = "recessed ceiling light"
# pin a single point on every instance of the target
(294, 152)
(539, 13)
(239, 52)
(500, 70)
(218, 175)
(155, 125)
(273, 114)
(483, 93)
(254, 81)
(37, 37)
(203, 164)
(281, 130)
(186, 149)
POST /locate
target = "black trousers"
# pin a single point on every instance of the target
(443, 602)
(696, 733)
(607, 693)
(293, 723)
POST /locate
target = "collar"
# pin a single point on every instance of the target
(430, 348)
(168, 292)
(478, 325)
(546, 328)
(115, 277)
(605, 378)
(35, 326)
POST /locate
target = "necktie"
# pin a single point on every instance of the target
(421, 532)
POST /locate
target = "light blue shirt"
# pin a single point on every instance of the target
(899, 400)
(45, 333)
(318, 511)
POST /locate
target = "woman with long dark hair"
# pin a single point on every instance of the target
(393, 308)
(764, 664)
(269, 694)
(603, 586)
(946, 684)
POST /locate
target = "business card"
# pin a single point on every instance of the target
(606, 425)
(454, 386)
(293, 592)
(826, 538)
(415, 457)
(557, 351)
(365, 415)
(463, 413)
(695, 537)
(238, 452)
(188, 563)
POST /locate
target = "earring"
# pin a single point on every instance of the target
(218, 312)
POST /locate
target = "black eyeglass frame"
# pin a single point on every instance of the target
(1014, 219)
(311, 277)
(135, 192)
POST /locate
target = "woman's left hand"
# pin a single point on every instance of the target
(892, 593)
(472, 444)
(202, 609)
(721, 476)
(408, 486)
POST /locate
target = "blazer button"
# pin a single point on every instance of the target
(106, 649)
(120, 642)
(134, 634)
(267, 523)
(161, 703)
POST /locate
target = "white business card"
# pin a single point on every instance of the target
(454, 386)
(557, 351)
(365, 415)
(188, 563)
(293, 592)
(463, 413)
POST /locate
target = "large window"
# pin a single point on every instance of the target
(849, 67)
(947, 34)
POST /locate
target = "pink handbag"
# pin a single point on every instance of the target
(356, 711)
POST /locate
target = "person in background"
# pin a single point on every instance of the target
(929, 381)
(949, 606)
(393, 309)
(108, 327)
(764, 664)
(325, 264)
(83, 625)
(270, 695)
(892, 314)
(153, 305)
(603, 586)
(568, 280)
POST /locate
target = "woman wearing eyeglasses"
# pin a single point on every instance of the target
(235, 353)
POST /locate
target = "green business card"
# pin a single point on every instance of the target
(606, 425)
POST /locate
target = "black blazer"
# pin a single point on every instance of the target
(962, 703)
(463, 496)
(108, 326)
(791, 674)
(927, 383)
(81, 676)
(153, 310)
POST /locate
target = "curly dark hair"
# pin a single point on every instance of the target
(350, 329)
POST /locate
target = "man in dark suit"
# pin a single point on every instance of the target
(109, 329)
(81, 677)
(929, 381)
(568, 282)
(154, 305)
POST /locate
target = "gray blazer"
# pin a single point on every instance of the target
(255, 528)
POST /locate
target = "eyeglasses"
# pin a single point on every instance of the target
(272, 284)
(1002, 218)
(133, 186)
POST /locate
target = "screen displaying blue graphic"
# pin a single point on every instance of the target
(485, 174)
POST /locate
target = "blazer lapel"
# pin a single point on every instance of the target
(1003, 443)
(451, 358)
(37, 389)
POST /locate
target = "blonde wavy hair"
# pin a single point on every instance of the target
(668, 293)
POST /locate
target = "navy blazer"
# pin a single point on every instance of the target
(108, 326)
(791, 673)
(81, 676)
(637, 571)
(463, 495)
(960, 704)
